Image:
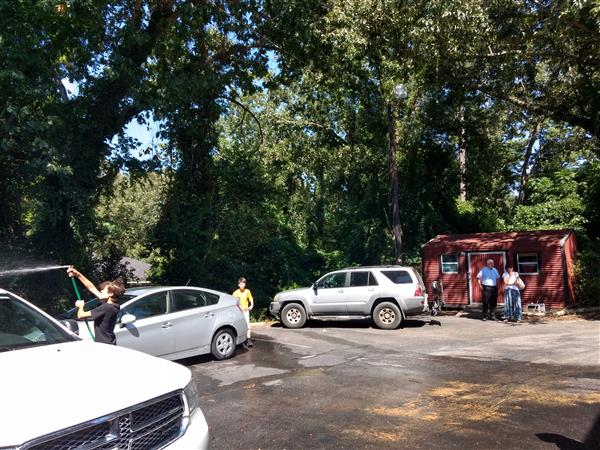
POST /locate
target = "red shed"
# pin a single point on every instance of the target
(544, 259)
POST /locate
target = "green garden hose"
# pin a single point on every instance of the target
(79, 298)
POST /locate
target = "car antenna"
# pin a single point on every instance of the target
(188, 282)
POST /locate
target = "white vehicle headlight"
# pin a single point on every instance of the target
(276, 298)
(191, 397)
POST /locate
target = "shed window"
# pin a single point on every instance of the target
(449, 263)
(527, 263)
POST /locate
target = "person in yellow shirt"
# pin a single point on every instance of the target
(246, 303)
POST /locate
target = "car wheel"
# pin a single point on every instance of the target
(293, 316)
(223, 344)
(387, 316)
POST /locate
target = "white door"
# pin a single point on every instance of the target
(152, 332)
(330, 295)
(193, 318)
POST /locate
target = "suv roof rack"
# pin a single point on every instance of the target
(388, 266)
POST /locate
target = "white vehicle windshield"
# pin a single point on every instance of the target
(22, 326)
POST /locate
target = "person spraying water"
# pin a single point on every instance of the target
(104, 315)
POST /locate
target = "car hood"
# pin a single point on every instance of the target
(294, 291)
(49, 388)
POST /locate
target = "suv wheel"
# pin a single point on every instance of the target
(387, 316)
(293, 315)
(223, 344)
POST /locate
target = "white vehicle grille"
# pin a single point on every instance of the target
(150, 425)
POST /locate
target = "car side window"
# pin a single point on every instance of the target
(372, 280)
(358, 279)
(335, 280)
(149, 306)
(183, 300)
(398, 276)
(211, 299)
(187, 300)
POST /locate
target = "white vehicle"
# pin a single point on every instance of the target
(61, 392)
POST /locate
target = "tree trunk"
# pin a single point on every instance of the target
(526, 160)
(462, 155)
(393, 147)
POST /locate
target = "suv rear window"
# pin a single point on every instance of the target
(398, 276)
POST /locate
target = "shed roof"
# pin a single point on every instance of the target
(486, 241)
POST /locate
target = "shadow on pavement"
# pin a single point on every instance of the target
(592, 440)
(562, 442)
(203, 359)
(360, 323)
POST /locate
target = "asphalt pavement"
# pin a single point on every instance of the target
(464, 384)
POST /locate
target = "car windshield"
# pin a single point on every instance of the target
(22, 326)
(89, 305)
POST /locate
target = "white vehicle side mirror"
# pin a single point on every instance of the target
(127, 319)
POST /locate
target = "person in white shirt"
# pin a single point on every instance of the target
(488, 281)
(512, 295)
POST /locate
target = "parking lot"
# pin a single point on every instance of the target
(464, 384)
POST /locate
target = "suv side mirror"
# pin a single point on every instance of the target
(127, 319)
(71, 325)
(314, 286)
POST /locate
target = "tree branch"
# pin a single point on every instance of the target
(247, 110)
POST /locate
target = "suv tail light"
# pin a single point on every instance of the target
(418, 291)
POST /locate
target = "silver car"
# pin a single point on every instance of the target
(177, 322)
(388, 294)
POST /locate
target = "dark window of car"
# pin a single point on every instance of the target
(359, 279)
(183, 300)
(398, 276)
(335, 280)
(372, 280)
(91, 304)
(362, 279)
(151, 305)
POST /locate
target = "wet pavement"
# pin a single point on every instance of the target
(464, 384)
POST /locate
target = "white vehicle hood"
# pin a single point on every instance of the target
(49, 388)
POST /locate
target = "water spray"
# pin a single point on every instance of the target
(30, 270)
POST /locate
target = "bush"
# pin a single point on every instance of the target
(587, 274)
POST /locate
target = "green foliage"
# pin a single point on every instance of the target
(279, 175)
(128, 213)
(587, 272)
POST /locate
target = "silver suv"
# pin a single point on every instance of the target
(386, 293)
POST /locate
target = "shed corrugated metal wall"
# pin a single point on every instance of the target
(554, 264)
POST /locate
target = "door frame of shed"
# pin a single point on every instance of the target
(469, 281)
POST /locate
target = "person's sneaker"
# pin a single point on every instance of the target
(249, 343)
(505, 320)
(518, 321)
(493, 318)
(484, 318)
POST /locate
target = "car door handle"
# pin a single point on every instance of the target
(208, 315)
(166, 325)
(371, 289)
(341, 290)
